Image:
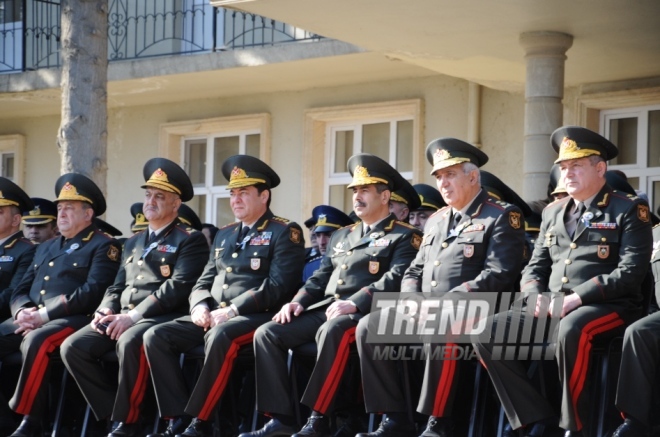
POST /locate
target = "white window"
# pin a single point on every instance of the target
(636, 132)
(201, 146)
(390, 139)
(12, 151)
(203, 158)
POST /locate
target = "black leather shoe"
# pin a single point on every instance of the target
(272, 428)
(535, 430)
(390, 428)
(349, 427)
(197, 428)
(29, 428)
(125, 430)
(176, 426)
(436, 427)
(630, 429)
(316, 426)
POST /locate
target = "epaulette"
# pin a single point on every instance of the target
(230, 224)
(501, 203)
(281, 220)
(182, 227)
(443, 209)
(404, 224)
(99, 232)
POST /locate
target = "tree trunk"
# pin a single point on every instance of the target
(82, 137)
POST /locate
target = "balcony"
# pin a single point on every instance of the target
(30, 31)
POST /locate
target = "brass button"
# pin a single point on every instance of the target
(223, 304)
(564, 279)
(51, 264)
(255, 254)
(350, 252)
(228, 269)
(340, 281)
(444, 245)
(337, 296)
(75, 264)
(42, 292)
(434, 283)
(573, 245)
(134, 290)
(41, 306)
(140, 262)
(131, 306)
(46, 278)
(568, 261)
(162, 260)
(344, 266)
(140, 276)
(234, 255)
(603, 239)
(225, 286)
(436, 263)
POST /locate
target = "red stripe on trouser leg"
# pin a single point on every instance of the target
(336, 371)
(137, 395)
(38, 370)
(223, 376)
(579, 374)
(444, 385)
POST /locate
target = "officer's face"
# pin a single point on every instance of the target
(400, 210)
(247, 203)
(418, 219)
(370, 205)
(457, 187)
(160, 207)
(40, 233)
(582, 178)
(72, 217)
(322, 238)
(8, 222)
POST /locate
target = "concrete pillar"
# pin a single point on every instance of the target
(545, 56)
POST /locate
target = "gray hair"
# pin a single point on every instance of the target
(468, 167)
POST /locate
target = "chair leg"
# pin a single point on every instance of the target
(60, 404)
(85, 424)
(293, 373)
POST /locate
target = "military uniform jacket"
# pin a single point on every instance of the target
(356, 266)
(157, 278)
(69, 277)
(607, 258)
(484, 253)
(259, 275)
(15, 258)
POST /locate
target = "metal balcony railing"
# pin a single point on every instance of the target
(30, 31)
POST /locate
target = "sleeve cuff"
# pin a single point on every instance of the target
(43, 312)
(135, 316)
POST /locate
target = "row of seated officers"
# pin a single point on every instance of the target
(165, 293)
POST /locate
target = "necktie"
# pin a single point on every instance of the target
(574, 218)
(241, 237)
(152, 237)
(367, 230)
(457, 219)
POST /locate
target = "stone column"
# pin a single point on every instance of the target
(545, 56)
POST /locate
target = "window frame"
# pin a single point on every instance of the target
(15, 144)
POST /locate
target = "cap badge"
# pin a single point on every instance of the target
(68, 188)
(568, 146)
(323, 219)
(159, 175)
(35, 211)
(2, 196)
(238, 173)
(441, 155)
(361, 172)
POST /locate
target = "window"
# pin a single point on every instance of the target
(12, 149)
(202, 146)
(636, 132)
(390, 130)
(390, 139)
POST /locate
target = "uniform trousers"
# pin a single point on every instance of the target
(82, 353)
(165, 343)
(335, 338)
(639, 367)
(576, 334)
(37, 347)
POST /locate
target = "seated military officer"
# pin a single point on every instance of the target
(254, 267)
(189, 217)
(595, 248)
(140, 222)
(327, 220)
(430, 201)
(16, 253)
(404, 200)
(40, 222)
(55, 297)
(475, 244)
(365, 258)
(159, 267)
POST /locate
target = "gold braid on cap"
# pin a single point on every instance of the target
(569, 149)
(6, 202)
(398, 198)
(441, 155)
(323, 221)
(160, 180)
(361, 176)
(70, 192)
(239, 178)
